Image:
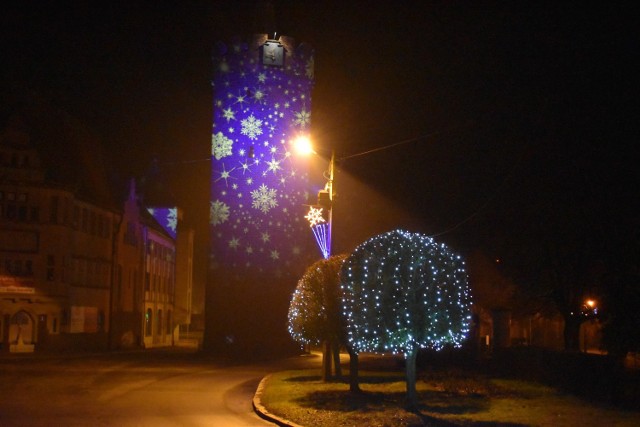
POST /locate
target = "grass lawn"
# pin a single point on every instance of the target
(446, 399)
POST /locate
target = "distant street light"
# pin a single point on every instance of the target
(590, 310)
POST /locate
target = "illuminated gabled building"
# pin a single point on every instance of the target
(153, 287)
(145, 283)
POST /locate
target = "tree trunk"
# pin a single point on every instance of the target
(336, 359)
(326, 361)
(354, 387)
(412, 394)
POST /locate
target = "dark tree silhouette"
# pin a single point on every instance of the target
(314, 312)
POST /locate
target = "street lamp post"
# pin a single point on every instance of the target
(330, 189)
(322, 230)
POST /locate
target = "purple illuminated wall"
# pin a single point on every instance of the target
(258, 185)
(167, 218)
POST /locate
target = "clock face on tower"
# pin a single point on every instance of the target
(273, 53)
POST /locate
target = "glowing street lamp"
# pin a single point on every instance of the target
(590, 307)
(302, 145)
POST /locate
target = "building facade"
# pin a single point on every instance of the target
(56, 253)
(77, 274)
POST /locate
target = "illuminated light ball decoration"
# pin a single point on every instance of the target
(258, 186)
(314, 310)
(403, 291)
(167, 218)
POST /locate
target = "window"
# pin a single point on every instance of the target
(76, 217)
(130, 234)
(51, 268)
(147, 323)
(92, 223)
(22, 213)
(11, 211)
(159, 323)
(101, 321)
(65, 211)
(53, 212)
(169, 322)
(28, 268)
(17, 267)
(107, 227)
(85, 220)
(35, 214)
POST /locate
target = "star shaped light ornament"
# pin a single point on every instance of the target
(320, 230)
(314, 216)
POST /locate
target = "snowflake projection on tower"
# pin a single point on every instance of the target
(258, 187)
(167, 218)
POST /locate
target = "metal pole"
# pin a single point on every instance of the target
(330, 188)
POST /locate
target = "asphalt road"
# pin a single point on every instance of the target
(165, 388)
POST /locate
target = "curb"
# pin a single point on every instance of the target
(262, 412)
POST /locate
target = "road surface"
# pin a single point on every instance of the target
(165, 388)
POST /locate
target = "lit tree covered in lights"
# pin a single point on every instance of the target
(315, 310)
(402, 292)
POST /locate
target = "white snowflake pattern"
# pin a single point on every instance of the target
(258, 96)
(303, 118)
(264, 198)
(221, 146)
(218, 212)
(228, 114)
(314, 216)
(234, 243)
(251, 127)
(224, 174)
(274, 166)
(172, 219)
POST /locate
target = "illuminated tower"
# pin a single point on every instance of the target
(259, 239)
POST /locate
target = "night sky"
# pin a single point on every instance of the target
(518, 118)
